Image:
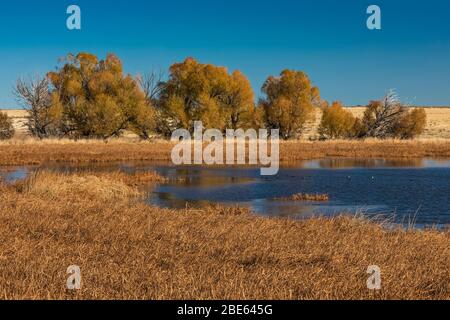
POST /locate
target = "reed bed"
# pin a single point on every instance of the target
(35, 152)
(128, 250)
(136, 179)
(105, 186)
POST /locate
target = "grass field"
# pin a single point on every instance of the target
(128, 250)
(33, 152)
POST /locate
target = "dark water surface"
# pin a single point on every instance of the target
(405, 191)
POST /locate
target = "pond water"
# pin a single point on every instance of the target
(404, 191)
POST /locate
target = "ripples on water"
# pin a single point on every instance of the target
(403, 190)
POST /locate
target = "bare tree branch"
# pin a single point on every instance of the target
(152, 84)
(33, 95)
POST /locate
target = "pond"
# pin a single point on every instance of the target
(404, 191)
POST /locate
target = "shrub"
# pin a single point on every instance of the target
(412, 124)
(336, 122)
(6, 127)
(388, 118)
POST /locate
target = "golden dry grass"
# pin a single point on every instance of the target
(104, 186)
(34, 152)
(135, 179)
(370, 148)
(128, 250)
(30, 151)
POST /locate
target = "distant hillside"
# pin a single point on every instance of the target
(18, 117)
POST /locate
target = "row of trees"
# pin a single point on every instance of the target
(87, 97)
(386, 118)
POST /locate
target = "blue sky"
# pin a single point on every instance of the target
(327, 39)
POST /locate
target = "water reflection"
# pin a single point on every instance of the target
(372, 163)
(397, 188)
(13, 174)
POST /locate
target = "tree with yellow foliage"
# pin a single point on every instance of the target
(412, 125)
(93, 98)
(207, 93)
(240, 105)
(336, 122)
(289, 102)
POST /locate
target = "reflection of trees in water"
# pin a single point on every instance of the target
(370, 163)
(210, 181)
(167, 199)
(199, 177)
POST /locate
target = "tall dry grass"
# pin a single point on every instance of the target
(105, 186)
(34, 152)
(128, 250)
(57, 186)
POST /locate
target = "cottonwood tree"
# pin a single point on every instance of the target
(336, 122)
(207, 93)
(289, 102)
(239, 102)
(35, 98)
(97, 99)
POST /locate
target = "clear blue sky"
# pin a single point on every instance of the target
(327, 39)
